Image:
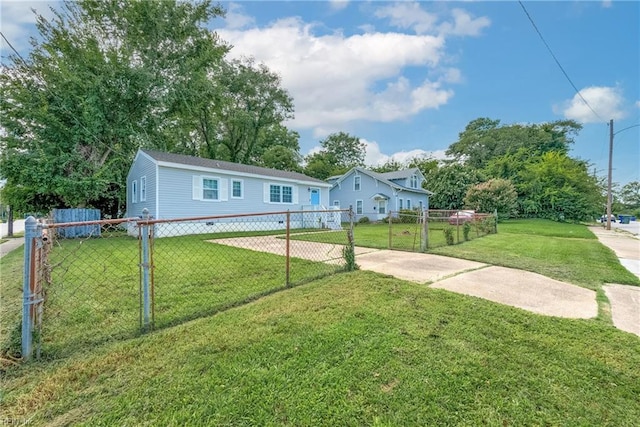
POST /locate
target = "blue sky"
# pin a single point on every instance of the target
(406, 77)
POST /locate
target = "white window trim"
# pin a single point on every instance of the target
(267, 193)
(413, 181)
(134, 191)
(400, 205)
(361, 207)
(198, 188)
(382, 206)
(357, 178)
(143, 188)
(241, 189)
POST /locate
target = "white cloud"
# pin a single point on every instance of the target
(606, 3)
(375, 157)
(338, 4)
(464, 24)
(336, 78)
(606, 101)
(409, 15)
(16, 14)
(235, 19)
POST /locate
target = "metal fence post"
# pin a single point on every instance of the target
(146, 300)
(30, 235)
(390, 232)
(287, 249)
(425, 231)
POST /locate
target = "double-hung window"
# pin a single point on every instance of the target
(134, 191)
(356, 183)
(414, 181)
(408, 203)
(359, 209)
(287, 194)
(236, 189)
(210, 189)
(143, 189)
(280, 193)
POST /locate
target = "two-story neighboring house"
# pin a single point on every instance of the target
(374, 195)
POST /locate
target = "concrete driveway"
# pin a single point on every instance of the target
(529, 291)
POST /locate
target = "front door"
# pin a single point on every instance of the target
(315, 197)
(382, 209)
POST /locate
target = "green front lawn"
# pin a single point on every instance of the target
(566, 252)
(95, 297)
(351, 349)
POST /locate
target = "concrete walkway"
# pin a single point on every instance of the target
(10, 245)
(529, 291)
(624, 240)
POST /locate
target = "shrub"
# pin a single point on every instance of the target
(466, 228)
(495, 194)
(364, 220)
(448, 235)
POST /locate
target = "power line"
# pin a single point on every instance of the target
(558, 62)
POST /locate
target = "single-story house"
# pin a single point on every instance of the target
(175, 186)
(373, 194)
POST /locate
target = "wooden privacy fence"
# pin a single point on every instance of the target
(128, 276)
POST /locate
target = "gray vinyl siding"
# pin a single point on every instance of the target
(142, 166)
(344, 192)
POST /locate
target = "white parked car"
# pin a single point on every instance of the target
(603, 218)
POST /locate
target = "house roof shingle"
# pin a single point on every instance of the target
(228, 166)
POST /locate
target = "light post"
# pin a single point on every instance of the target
(609, 197)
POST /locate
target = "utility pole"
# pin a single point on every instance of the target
(609, 179)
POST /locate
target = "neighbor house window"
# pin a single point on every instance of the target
(358, 207)
(414, 181)
(280, 194)
(356, 183)
(336, 203)
(400, 204)
(236, 189)
(134, 191)
(421, 206)
(210, 189)
(408, 204)
(143, 189)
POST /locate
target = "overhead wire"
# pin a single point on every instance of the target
(535, 27)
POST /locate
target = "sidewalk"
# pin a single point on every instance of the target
(10, 245)
(624, 240)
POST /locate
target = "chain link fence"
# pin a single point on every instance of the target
(87, 283)
(423, 230)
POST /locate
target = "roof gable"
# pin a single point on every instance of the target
(382, 177)
(199, 162)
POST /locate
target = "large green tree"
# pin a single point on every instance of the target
(251, 109)
(339, 153)
(102, 81)
(449, 184)
(485, 139)
(559, 187)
